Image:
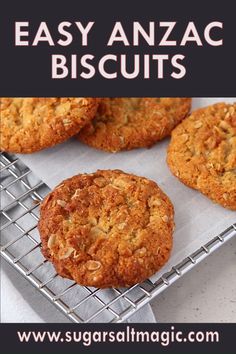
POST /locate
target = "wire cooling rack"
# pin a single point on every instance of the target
(21, 194)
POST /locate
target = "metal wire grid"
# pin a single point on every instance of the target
(21, 193)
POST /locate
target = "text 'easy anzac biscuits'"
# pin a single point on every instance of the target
(107, 229)
(202, 152)
(127, 123)
(32, 124)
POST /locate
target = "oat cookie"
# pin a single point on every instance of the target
(32, 124)
(202, 153)
(107, 229)
(127, 123)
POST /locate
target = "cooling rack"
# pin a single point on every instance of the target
(21, 194)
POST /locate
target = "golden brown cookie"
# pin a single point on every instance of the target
(202, 152)
(127, 123)
(107, 229)
(32, 124)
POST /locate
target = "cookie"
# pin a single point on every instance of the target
(32, 124)
(107, 229)
(127, 123)
(202, 153)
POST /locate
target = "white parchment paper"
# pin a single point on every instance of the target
(197, 218)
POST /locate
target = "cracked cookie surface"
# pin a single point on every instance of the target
(202, 153)
(107, 229)
(127, 123)
(32, 124)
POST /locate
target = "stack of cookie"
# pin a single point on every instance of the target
(110, 228)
